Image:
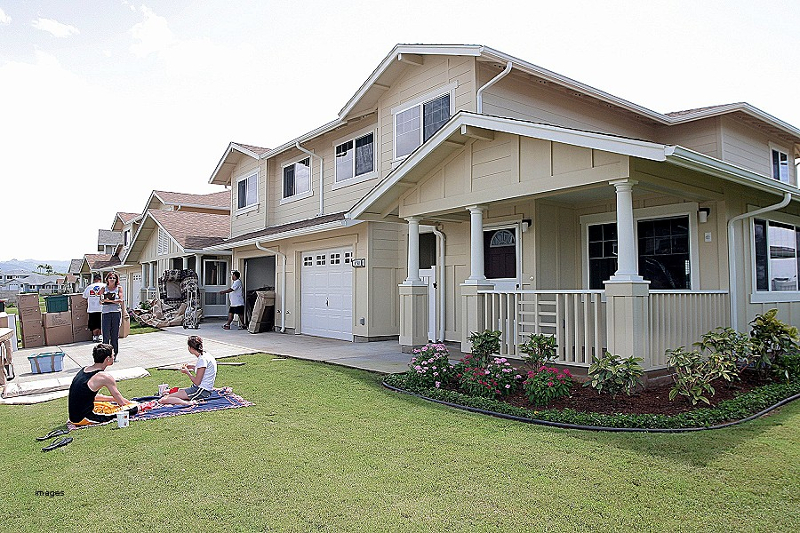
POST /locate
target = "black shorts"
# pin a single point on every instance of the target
(94, 320)
(236, 310)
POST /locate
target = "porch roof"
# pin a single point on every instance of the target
(383, 198)
(274, 233)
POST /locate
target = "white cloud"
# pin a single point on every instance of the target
(55, 28)
(5, 20)
(153, 34)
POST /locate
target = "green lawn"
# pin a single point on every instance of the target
(327, 448)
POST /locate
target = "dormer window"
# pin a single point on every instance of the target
(416, 123)
(247, 191)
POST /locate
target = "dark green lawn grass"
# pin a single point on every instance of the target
(327, 448)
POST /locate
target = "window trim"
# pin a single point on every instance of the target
(517, 226)
(338, 184)
(688, 209)
(254, 205)
(768, 296)
(298, 196)
(789, 163)
(419, 102)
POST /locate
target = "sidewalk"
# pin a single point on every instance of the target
(168, 347)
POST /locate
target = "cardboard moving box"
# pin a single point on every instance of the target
(33, 314)
(81, 334)
(28, 301)
(58, 335)
(32, 328)
(80, 319)
(58, 319)
(77, 302)
(33, 341)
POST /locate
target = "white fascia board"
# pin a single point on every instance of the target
(739, 106)
(692, 160)
(584, 139)
(284, 235)
(442, 49)
(231, 147)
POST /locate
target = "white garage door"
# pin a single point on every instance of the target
(326, 305)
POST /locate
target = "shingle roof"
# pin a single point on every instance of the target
(98, 261)
(273, 230)
(255, 149)
(127, 217)
(220, 199)
(697, 110)
(75, 266)
(105, 236)
(194, 231)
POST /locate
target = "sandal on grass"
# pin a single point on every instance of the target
(54, 433)
(57, 444)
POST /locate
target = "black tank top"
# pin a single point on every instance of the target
(81, 397)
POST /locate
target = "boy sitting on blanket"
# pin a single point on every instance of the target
(86, 406)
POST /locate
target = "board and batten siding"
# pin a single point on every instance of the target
(248, 220)
(386, 267)
(435, 73)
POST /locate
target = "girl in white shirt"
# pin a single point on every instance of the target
(205, 372)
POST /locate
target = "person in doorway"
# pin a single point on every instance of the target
(112, 299)
(237, 301)
(83, 392)
(205, 372)
(92, 295)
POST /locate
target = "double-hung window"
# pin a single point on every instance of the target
(297, 178)
(247, 191)
(777, 254)
(780, 165)
(416, 124)
(355, 157)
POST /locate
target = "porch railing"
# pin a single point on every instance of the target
(680, 318)
(577, 319)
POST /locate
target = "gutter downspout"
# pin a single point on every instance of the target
(442, 277)
(283, 282)
(479, 94)
(787, 197)
(321, 176)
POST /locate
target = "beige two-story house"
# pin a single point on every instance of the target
(461, 188)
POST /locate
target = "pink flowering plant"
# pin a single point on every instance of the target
(430, 366)
(496, 378)
(547, 384)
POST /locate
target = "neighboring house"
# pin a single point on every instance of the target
(10, 278)
(43, 284)
(171, 233)
(108, 242)
(80, 270)
(531, 202)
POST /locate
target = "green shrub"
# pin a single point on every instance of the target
(546, 384)
(612, 374)
(430, 366)
(771, 338)
(730, 344)
(694, 373)
(484, 344)
(787, 366)
(540, 349)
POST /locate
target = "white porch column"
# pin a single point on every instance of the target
(626, 243)
(413, 296)
(476, 273)
(413, 251)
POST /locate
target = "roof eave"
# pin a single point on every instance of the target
(228, 151)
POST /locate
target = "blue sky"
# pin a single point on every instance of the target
(102, 102)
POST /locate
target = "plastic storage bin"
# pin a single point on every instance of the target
(57, 304)
(42, 363)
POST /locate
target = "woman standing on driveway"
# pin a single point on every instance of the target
(112, 300)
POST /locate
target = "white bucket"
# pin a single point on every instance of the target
(123, 419)
(162, 389)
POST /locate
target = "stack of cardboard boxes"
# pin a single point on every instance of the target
(80, 318)
(30, 316)
(57, 328)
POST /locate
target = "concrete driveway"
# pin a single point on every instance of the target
(168, 347)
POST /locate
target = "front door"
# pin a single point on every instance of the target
(135, 296)
(215, 278)
(501, 258)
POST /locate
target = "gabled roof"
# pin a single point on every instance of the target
(101, 261)
(125, 218)
(75, 266)
(191, 231)
(217, 200)
(334, 220)
(108, 237)
(233, 153)
(452, 136)
(392, 66)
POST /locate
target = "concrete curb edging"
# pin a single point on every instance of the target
(592, 428)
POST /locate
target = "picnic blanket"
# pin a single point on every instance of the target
(149, 408)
